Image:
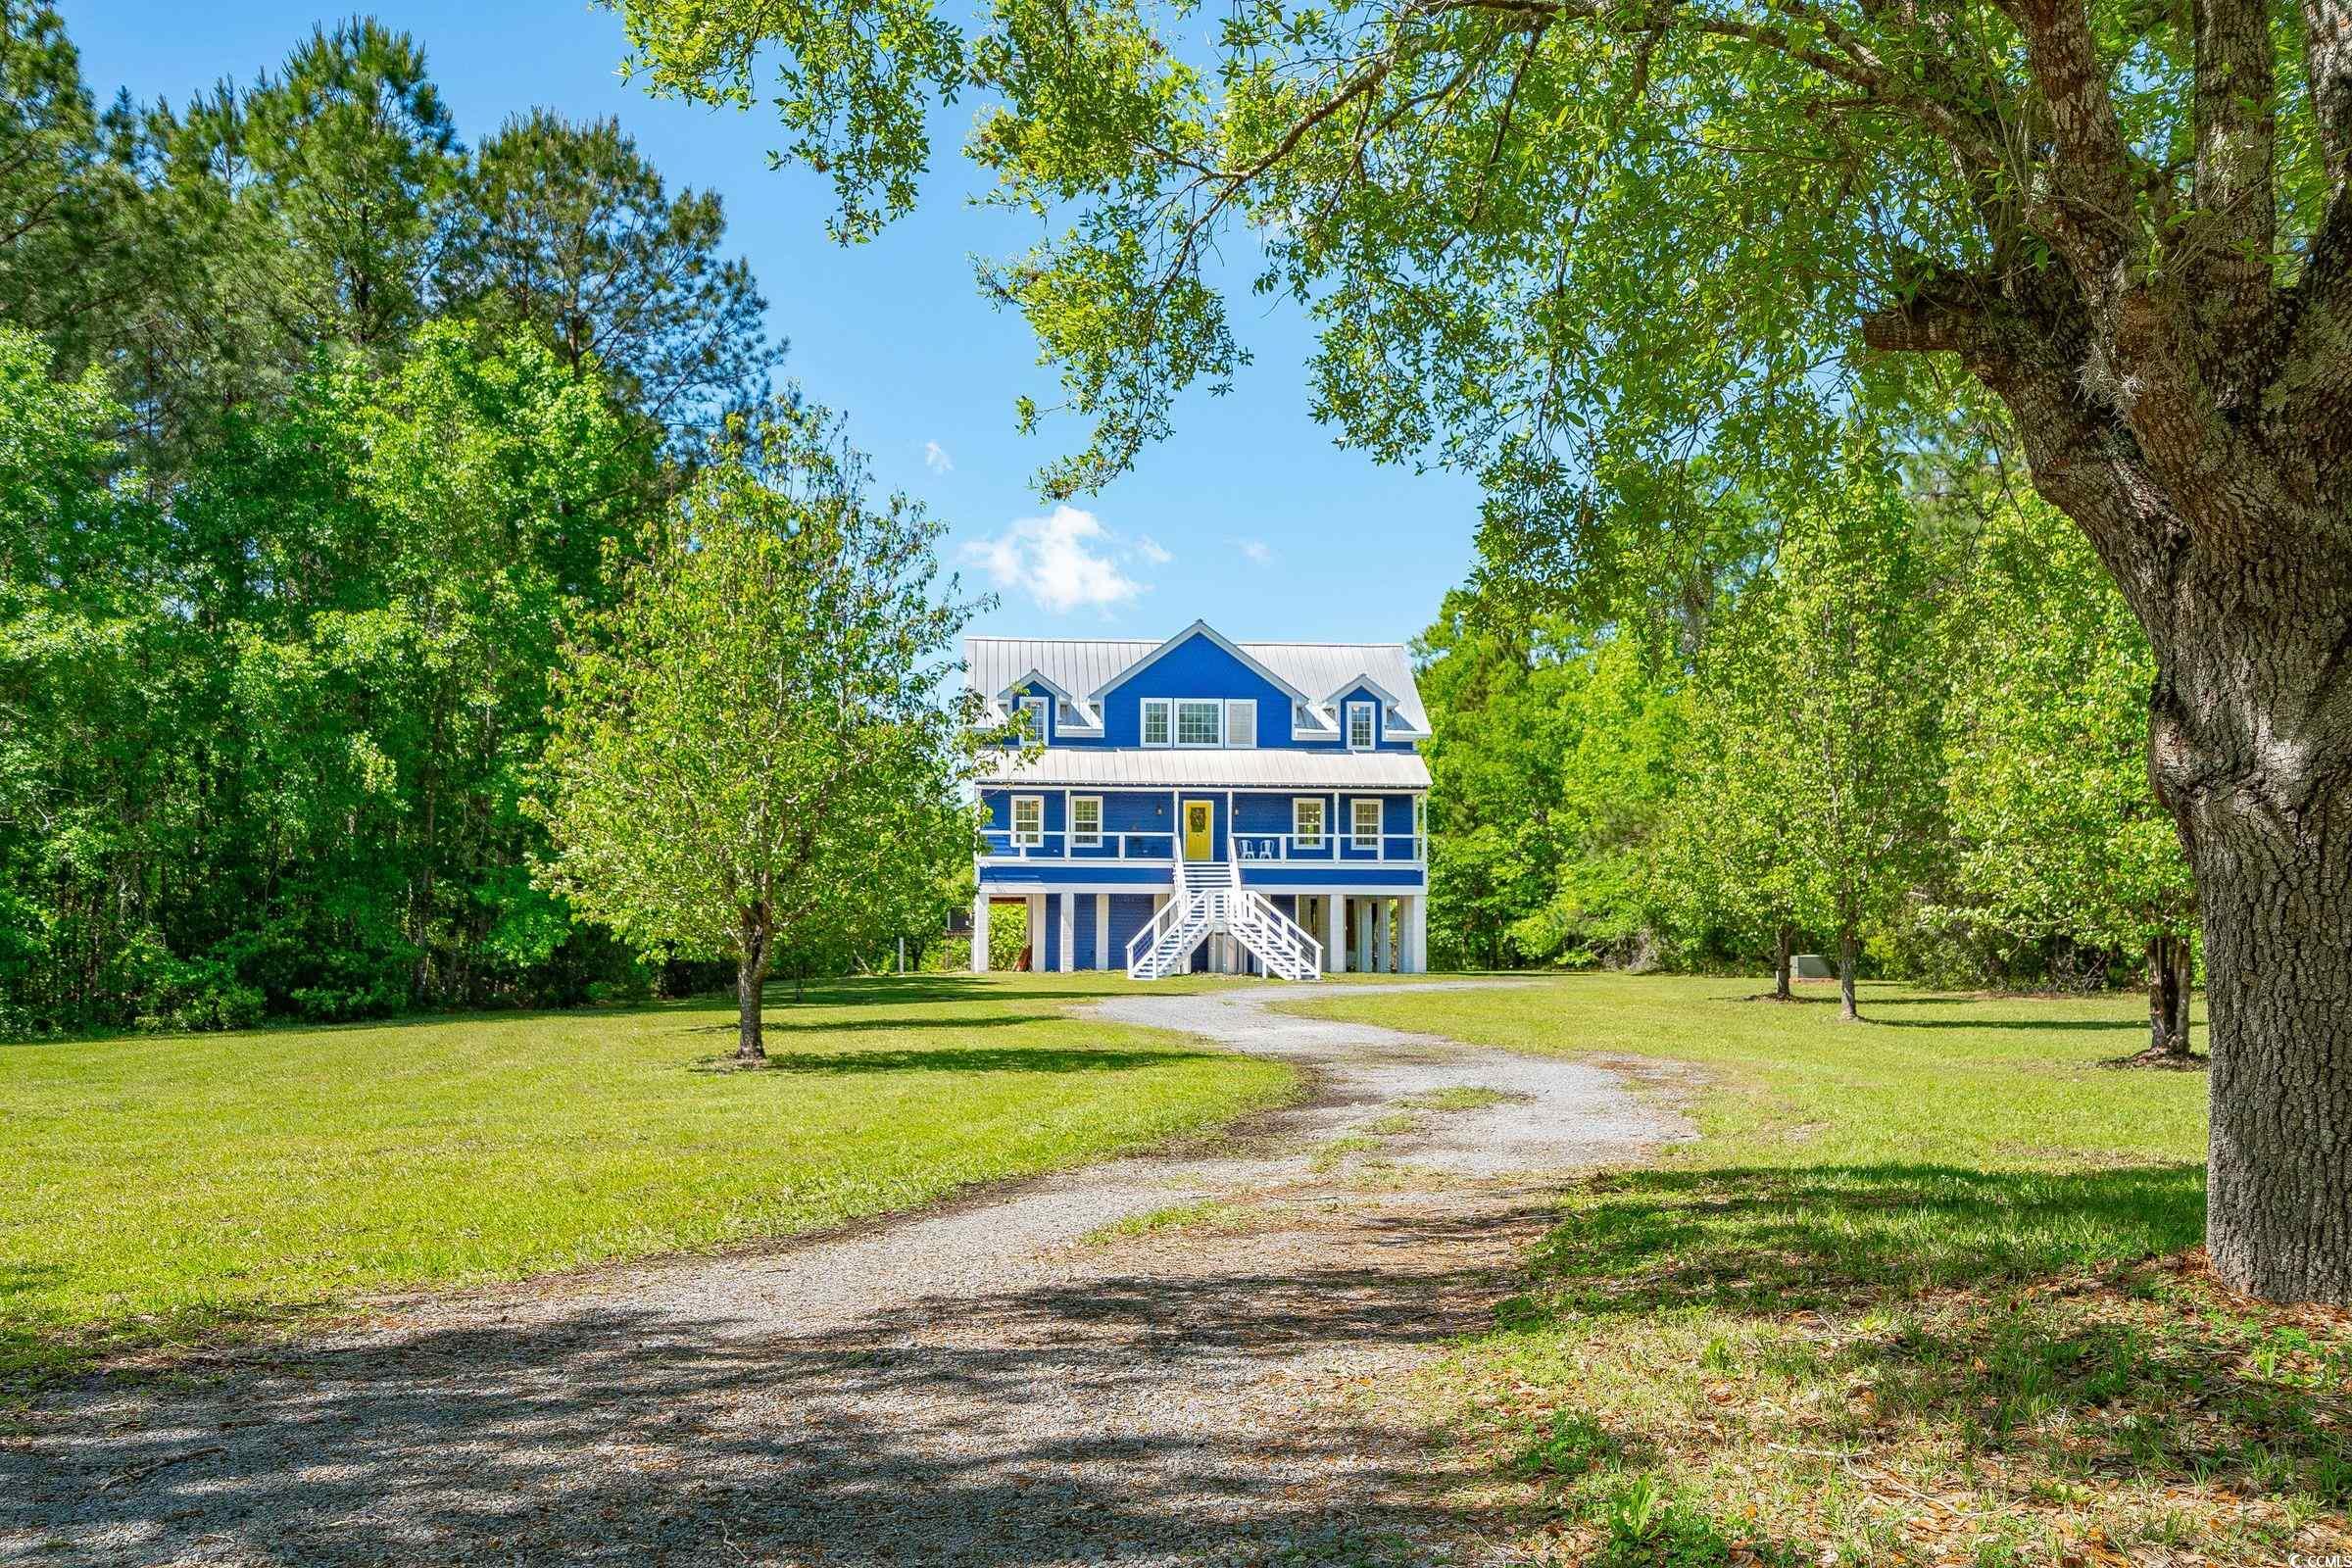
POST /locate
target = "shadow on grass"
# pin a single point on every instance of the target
(1038, 1421)
(978, 1058)
(2061, 1318)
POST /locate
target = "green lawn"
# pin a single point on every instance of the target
(163, 1187)
(1926, 1291)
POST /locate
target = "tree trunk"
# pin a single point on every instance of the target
(2168, 995)
(750, 984)
(2185, 947)
(2279, 1013)
(1850, 952)
(1779, 964)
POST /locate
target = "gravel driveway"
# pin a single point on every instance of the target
(989, 1382)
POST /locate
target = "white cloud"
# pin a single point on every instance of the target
(1257, 552)
(1062, 560)
(936, 458)
(1152, 550)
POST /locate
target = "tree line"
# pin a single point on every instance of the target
(1900, 717)
(332, 453)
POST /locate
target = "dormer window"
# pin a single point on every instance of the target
(1199, 722)
(1035, 708)
(1157, 730)
(1363, 726)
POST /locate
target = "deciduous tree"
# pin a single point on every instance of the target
(751, 744)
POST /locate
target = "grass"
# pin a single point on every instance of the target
(166, 1188)
(1928, 1291)
(1215, 1216)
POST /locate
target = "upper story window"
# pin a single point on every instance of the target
(1306, 823)
(1199, 722)
(1156, 724)
(1241, 722)
(1086, 821)
(1366, 823)
(1361, 726)
(1035, 710)
(1028, 822)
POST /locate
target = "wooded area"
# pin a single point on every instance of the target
(320, 438)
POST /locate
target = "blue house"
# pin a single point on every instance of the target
(1203, 804)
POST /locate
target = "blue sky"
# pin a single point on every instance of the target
(1250, 518)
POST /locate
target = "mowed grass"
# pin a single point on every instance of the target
(1927, 1291)
(163, 1188)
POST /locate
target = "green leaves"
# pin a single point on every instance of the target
(750, 751)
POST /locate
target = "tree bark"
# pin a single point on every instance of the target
(1850, 952)
(1779, 964)
(2168, 995)
(750, 984)
(2278, 1004)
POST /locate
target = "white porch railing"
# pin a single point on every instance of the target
(1060, 844)
(1325, 847)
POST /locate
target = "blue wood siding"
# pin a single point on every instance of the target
(1082, 925)
(1130, 913)
(1195, 668)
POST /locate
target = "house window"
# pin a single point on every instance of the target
(1360, 728)
(1156, 722)
(1367, 824)
(1241, 722)
(1028, 822)
(1035, 708)
(1086, 821)
(1306, 824)
(1200, 723)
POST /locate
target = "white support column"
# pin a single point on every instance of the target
(1101, 930)
(1037, 932)
(1380, 936)
(1363, 933)
(1334, 933)
(980, 930)
(1416, 944)
(1069, 933)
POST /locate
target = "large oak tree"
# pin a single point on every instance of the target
(1556, 239)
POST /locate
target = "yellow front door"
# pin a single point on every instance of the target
(1198, 816)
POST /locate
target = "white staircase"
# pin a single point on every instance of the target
(1210, 899)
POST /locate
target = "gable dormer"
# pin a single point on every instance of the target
(1196, 691)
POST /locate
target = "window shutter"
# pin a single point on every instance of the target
(1241, 722)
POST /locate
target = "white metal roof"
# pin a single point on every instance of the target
(1089, 664)
(1242, 768)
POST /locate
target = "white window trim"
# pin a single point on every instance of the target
(1357, 838)
(1176, 722)
(1144, 721)
(1246, 705)
(1043, 707)
(1081, 837)
(1013, 821)
(1347, 725)
(1301, 837)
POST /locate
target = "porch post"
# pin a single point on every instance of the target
(1069, 933)
(1363, 934)
(1417, 923)
(1101, 930)
(1037, 932)
(1380, 936)
(980, 929)
(1335, 932)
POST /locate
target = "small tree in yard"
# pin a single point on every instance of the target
(1829, 670)
(752, 741)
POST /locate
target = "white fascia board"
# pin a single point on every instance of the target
(1200, 628)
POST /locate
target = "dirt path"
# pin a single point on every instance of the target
(989, 1383)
